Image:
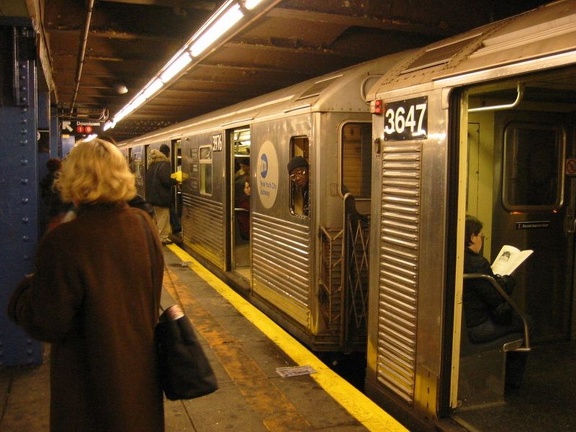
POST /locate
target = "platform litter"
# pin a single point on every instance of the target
(287, 372)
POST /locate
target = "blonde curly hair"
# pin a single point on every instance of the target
(95, 172)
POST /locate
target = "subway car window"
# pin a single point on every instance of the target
(533, 158)
(206, 170)
(299, 178)
(356, 159)
(242, 141)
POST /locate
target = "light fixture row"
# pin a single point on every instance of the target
(225, 18)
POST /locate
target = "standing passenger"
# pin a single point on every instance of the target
(299, 176)
(55, 209)
(243, 211)
(159, 190)
(92, 296)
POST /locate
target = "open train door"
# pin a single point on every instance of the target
(534, 209)
(240, 141)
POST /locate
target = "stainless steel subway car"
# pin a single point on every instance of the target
(302, 257)
(481, 124)
(371, 256)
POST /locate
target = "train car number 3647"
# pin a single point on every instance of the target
(406, 120)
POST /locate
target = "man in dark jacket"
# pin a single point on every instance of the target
(488, 316)
(159, 189)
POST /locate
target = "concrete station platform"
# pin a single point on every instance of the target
(245, 348)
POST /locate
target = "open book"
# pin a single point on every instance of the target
(509, 259)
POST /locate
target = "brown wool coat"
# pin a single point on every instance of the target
(92, 297)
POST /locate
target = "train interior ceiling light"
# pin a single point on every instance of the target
(226, 17)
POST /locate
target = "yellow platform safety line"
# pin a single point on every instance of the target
(356, 403)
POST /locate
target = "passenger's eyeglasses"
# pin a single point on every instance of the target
(481, 235)
(297, 173)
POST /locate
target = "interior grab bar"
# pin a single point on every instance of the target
(512, 303)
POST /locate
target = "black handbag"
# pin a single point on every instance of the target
(184, 369)
(185, 372)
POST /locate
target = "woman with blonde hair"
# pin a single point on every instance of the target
(93, 296)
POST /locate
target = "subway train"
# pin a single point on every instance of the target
(399, 151)
(304, 263)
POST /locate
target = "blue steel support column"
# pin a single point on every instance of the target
(44, 151)
(18, 179)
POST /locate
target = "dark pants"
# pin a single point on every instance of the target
(175, 222)
(489, 330)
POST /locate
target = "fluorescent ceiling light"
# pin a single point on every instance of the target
(137, 102)
(251, 4)
(90, 137)
(124, 112)
(217, 29)
(227, 16)
(153, 88)
(175, 67)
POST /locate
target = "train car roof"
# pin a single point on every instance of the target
(550, 29)
(94, 60)
(340, 91)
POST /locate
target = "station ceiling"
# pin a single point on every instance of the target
(91, 49)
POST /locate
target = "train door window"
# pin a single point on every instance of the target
(178, 155)
(137, 163)
(206, 182)
(356, 159)
(299, 197)
(241, 142)
(533, 162)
